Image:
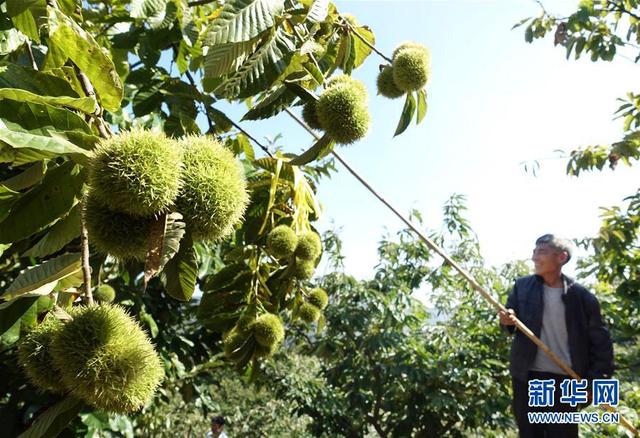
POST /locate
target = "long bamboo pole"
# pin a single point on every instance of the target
(467, 276)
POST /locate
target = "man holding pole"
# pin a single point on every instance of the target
(566, 317)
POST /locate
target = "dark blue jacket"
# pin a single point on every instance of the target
(590, 344)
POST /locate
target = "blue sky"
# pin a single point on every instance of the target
(494, 102)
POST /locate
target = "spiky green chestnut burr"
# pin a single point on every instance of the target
(386, 86)
(310, 116)
(318, 297)
(309, 246)
(407, 45)
(233, 343)
(106, 359)
(343, 113)
(349, 80)
(104, 294)
(411, 68)
(303, 269)
(34, 356)
(262, 351)
(214, 195)
(136, 172)
(309, 313)
(282, 241)
(113, 232)
(268, 330)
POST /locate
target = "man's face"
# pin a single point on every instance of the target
(547, 259)
(216, 428)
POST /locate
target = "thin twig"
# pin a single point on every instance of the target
(84, 235)
(311, 55)
(90, 91)
(260, 145)
(31, 57)
(193, 84)
(542, 7)
(200, 2)
(238, 127)
(621, 8)
(367, 43)
(485, 294)
(86, 267)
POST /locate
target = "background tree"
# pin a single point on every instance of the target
(393, 367)
(603, 30)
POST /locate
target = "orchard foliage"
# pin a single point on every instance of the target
(603, 30)
(393, 367)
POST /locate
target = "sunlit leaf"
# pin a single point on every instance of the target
(80, 47)
(32, 280)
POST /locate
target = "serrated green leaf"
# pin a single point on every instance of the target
(30, 318)
(361, 50)
(262, 68)
(54, 420)
(345, 57)
(27, 16)
(55, 58)
(10, 337)
(15, 7)
(173, 234)
(189, 28)
(164, 243)
(11, 40)
(154, 11)
(12, 311)
(34, 279)
(272, 104)
(41, 83)
(8, 197)
(227, 58)
(271, 164)
(242, 20)
(52, 146)
(315, 72)
(223, 277)
(44, 203)
(215, 301)
(41, 118)
(407, 114)
(63, 232)
(83, 50)
(304, 94)
(320, 148)
(27, 178)
(148, 320)
(85, 104)
(181, 272)
(244, 142)
(72, 281)
(221, 322)
(223, 123)
(295, 70)
(318, 11)
(422, 105)
(7, 154)
(72, 8)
